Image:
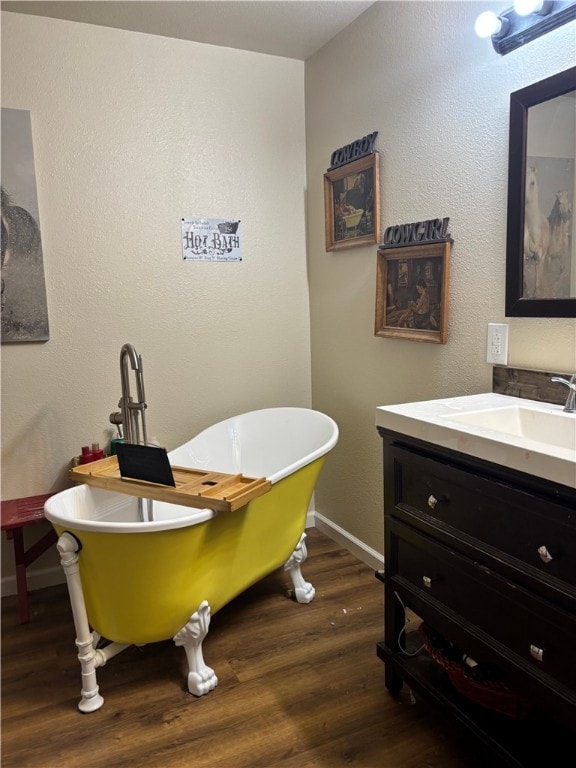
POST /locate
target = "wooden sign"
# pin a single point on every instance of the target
(417, 233)
(353, 151)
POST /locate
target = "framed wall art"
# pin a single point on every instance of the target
(412, 292)
(24, 314)
(352, 204)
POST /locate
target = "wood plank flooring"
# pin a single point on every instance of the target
(300, 686)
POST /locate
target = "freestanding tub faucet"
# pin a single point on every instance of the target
(132, 413)
(570, 406)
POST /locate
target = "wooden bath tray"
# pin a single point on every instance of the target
(194, 487)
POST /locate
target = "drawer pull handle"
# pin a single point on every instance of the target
(427, 581)
(537, 653)
(545, 556)
(432, 501)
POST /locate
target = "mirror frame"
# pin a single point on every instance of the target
(520, 101)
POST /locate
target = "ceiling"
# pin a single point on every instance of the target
(294, 29)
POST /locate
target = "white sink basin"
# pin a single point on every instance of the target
(525, 435)
(551, 427)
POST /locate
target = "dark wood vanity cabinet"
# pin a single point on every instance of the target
(486, 557)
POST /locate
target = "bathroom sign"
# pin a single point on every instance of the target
(211, 240)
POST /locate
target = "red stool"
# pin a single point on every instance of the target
(17, 513)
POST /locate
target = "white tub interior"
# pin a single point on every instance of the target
(94, 509)
(271, 443)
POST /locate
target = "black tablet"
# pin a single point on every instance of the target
(144, 462)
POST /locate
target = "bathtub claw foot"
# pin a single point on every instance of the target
(305, 594)
(303, 590)
(201, 677)
(201, 683)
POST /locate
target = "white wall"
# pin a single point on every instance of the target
(131, 133)
(439, 98)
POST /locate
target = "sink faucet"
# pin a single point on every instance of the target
(570, 406)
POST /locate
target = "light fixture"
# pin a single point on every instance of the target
(488, 24)
(526, 21)
(526, 7)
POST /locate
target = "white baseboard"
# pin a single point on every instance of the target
(44, 577)
(360, 550)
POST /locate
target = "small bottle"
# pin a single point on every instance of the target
(113, 443)
(97, 452)
(86, 456)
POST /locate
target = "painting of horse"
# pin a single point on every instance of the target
(24, 304)
(548, 247)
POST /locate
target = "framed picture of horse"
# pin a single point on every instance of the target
(24, 315)
(412, 292)
(352, 204)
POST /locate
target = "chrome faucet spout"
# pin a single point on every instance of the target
(570, 406)
(133, 411)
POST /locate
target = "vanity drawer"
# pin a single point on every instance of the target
(532, 629)
(539, 533)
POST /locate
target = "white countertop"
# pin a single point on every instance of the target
(427, 420)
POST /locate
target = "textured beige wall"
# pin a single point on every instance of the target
(131, 133)
(439, 97)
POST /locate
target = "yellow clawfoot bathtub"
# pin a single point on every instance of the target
(135, 582)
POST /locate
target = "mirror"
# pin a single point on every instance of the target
(540, 252)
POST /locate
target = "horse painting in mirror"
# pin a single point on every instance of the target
(547, 249)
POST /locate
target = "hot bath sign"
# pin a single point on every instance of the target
(211, 240)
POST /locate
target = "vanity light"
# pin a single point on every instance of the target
(488, 24)
(526, 7)
(526, 21)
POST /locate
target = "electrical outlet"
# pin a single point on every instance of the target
(497, 347)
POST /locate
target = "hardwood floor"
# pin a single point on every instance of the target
(300, 686)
